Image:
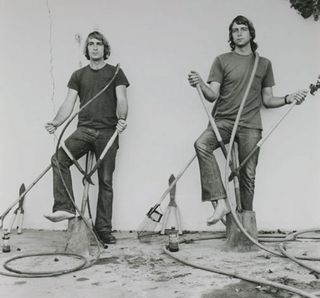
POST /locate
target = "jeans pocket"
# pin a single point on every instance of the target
(91, 132)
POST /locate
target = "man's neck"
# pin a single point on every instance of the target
(97, 64)
(246, 50)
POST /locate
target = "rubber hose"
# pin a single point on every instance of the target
(231, 142)
(240, 276)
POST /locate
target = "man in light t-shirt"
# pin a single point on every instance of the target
(226, 84)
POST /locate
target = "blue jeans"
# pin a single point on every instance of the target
(79, 143)
(211, 183)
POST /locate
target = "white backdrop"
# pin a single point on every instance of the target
(157, 43)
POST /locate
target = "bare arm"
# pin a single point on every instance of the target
(64, 111)
(122, 107)
(270, 101)
(211, 92)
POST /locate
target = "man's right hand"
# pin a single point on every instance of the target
(194, 79)
(121, 125)
(50, 127)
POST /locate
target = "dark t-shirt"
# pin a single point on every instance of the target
(101, 113)
(233, 72)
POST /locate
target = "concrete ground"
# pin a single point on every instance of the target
(132, 268)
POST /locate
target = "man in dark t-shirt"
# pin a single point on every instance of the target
(226, 84)
(97, 122)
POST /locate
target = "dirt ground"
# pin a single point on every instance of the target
(132, 268)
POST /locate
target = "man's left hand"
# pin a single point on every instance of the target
(121, 125)
(298, 96)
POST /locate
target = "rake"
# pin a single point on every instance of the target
(154, 215)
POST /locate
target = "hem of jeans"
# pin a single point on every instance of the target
(203, 147)
(103, 231)
(246, 210)
(63, 209)
(222, 197)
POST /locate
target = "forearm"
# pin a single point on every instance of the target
(276, 102)
(271, 101)
(122, 102)
(61, 116)
(122, 110)
(66, 108)
(209, 94)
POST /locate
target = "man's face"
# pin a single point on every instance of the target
(240, 35)
(95, 49)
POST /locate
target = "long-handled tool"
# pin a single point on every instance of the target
(153, 216)
(75, 162)
(85, 196)
(19, 212)
(69, 154)
(102, 155)
(23, 194)
(87, 176)
(5, 213)
(223, 148)
(78, 236)
(213, 125)
(313, 88)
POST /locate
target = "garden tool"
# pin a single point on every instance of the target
(223, 148)
(313, 88)
(153, 216)
(104, 152)
(5, 213)
(19, 212)
(75, 162)
(172, 207)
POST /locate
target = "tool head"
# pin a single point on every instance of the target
(2, 217)
(173, 189)
(314, 87)
(147, 229)
(21, 196)
(154, 214)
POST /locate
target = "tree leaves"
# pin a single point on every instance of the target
(307, 8)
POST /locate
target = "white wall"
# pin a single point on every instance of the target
(157, 43)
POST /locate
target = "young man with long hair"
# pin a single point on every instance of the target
(226, 84)
(96, 124)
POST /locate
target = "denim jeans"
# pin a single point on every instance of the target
(79, 143)
(211, 182)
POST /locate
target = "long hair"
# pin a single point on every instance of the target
(241, 20)
(99, 36)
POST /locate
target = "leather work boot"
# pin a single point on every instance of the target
(106, 237)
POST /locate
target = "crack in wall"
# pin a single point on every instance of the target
(79, 40)
(51, 70)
